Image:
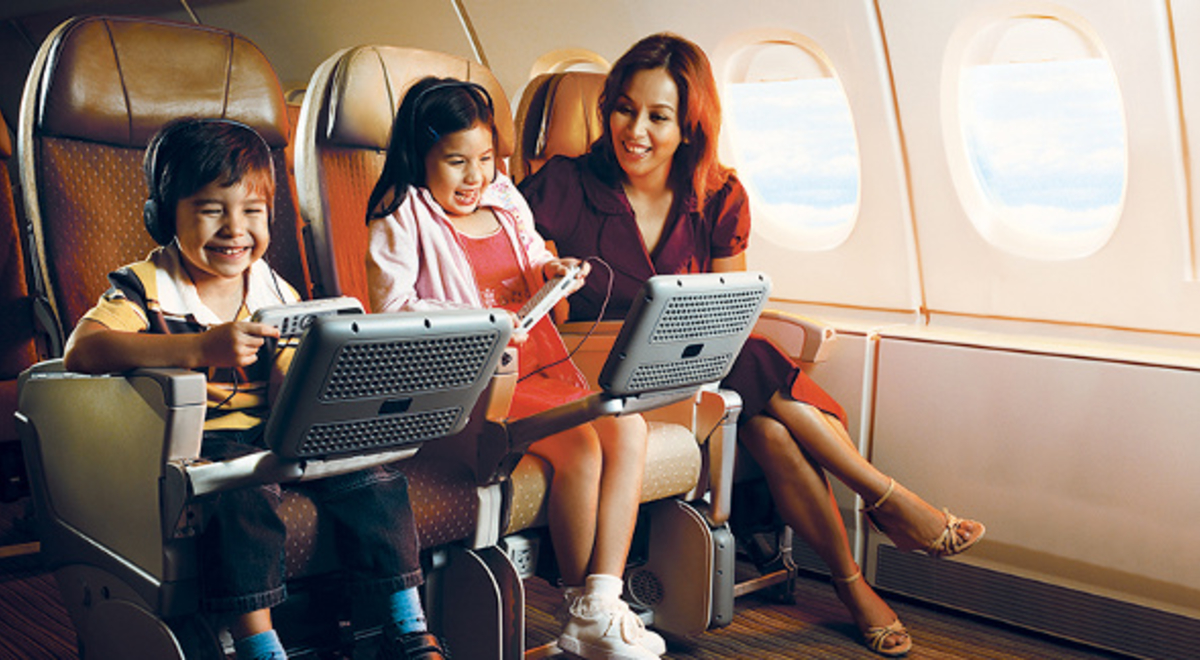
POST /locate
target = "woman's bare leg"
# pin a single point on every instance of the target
(906, 518)
(806, 503)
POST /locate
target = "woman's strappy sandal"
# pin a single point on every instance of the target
(875, 637)
(947, 544)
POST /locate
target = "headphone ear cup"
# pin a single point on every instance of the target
(153, 218)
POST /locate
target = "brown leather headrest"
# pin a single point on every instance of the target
(116, 80)
(372, 81)
(571, 115)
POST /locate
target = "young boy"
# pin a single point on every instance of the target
(188, 305)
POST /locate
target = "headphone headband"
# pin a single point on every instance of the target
(445, 83)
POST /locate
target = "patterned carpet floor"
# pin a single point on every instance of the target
(34, 626)
(34, 623)
(817, 626)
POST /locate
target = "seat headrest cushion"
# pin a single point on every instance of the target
(117, 80)
(381, 75)
(571, 120)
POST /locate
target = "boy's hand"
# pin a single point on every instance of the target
(234, 344)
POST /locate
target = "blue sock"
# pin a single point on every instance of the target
(263, 646)
(405, 611)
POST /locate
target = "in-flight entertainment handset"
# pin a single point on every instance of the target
(292, 320)
(554, 290)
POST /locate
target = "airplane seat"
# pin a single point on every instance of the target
(113, 460)
(18, 335)
(101, 104)
(342, 140)
(559, 114)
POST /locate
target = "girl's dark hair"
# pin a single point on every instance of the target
(432, 108)
(188, 154)
(695, 168)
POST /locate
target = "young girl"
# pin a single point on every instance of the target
(189, 305)
(651, 197)
(447, 230)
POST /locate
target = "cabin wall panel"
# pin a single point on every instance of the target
(1081, 468)
(875, 267)
(1185, 21)
(1140, 279)
(879, 254)
(843, 375)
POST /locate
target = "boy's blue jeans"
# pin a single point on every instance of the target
(241, 550)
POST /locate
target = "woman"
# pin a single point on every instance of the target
(653, 180)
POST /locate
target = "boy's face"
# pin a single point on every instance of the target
(459, 168)
(222, 230)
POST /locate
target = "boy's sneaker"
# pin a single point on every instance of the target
(606, 629)
(411, 646)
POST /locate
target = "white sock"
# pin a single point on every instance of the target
(602, 585)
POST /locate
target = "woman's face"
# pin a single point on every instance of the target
(645, 126)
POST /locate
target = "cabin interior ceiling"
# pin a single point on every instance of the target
(511, 34)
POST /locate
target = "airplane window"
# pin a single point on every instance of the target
(793, 144)
(1044, 136)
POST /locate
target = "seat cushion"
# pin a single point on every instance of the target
(673, 461)
(445, 504)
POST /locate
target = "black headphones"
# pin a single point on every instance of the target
(158, 213)
(443, 84)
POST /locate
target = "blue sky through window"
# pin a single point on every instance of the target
(1047, 142)
(796, 149)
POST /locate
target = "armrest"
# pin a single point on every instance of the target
(716, 427)
(803, 339)
(96, 447)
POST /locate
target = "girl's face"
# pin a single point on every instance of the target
(645, 125)
(459, 168)
(222, 230)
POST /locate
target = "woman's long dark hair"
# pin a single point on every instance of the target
(432, 108)
(695, 168)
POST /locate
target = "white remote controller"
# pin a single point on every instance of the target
(292, 320)
(554, 290)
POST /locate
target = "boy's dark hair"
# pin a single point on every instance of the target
(188, 154)
(432, 108)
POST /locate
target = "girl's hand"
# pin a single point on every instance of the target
(556, 267)
(234, 344)
(518, 336)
